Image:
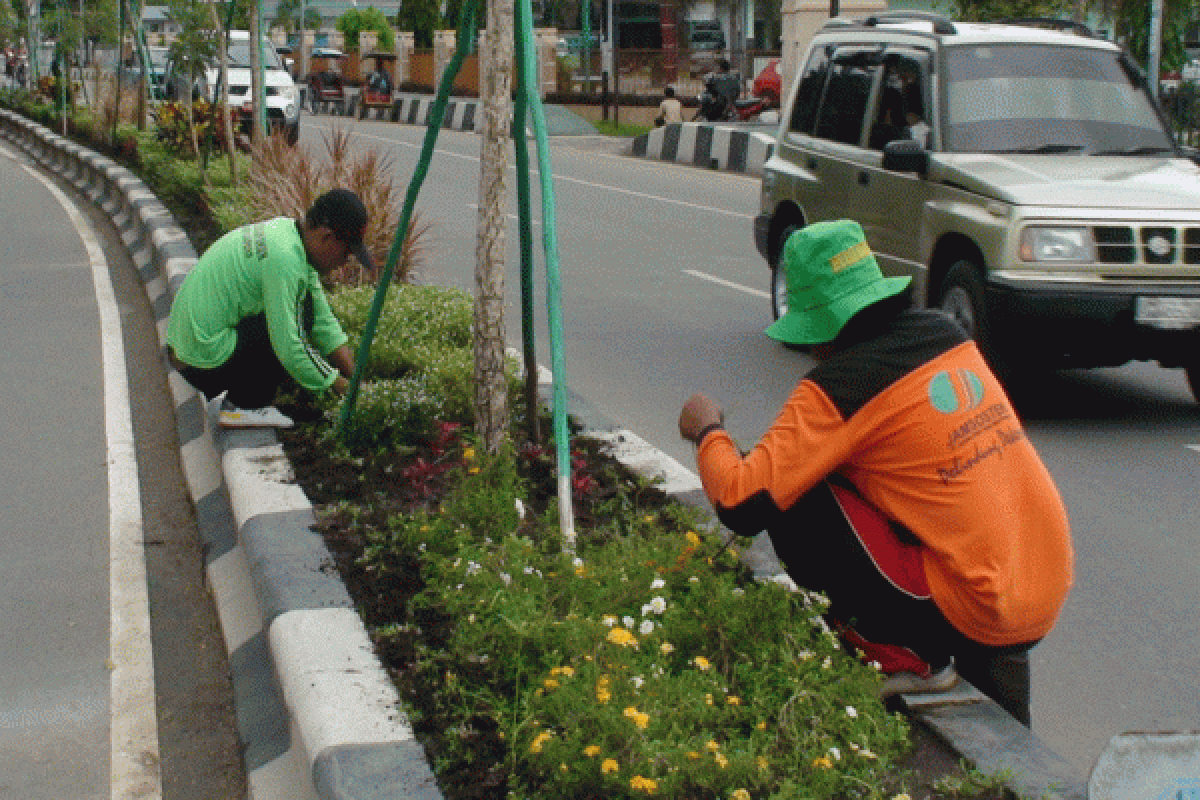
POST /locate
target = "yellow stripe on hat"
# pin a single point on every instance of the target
(851, 255)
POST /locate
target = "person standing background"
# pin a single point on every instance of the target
(670, 110)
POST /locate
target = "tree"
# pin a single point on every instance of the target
(287, 15)
(193, 49)
(356, 20)
(422, 17)
(991, 10)
(1132, 28)
(496, 83)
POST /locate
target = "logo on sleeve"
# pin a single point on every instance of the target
(957, 390)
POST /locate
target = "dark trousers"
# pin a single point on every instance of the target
(835, 560)
(251, 376)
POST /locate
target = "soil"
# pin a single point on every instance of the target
(396, 482)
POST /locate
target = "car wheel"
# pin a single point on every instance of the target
(779, 276)
(962, 297)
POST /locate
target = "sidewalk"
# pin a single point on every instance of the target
(318, 714)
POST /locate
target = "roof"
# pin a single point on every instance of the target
(967, 33)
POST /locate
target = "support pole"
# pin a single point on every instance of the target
(1154, 56)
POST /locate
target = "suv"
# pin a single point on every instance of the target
(1024, 177)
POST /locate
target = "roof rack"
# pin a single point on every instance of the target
(1052, 24)
(940, 23)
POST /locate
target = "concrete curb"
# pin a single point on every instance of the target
(317, 713)
(709, 146)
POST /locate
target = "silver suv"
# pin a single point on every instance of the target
(1023, 176)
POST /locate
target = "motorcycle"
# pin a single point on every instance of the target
(716, 105)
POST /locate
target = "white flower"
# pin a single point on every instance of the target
(693, 579)
(658, 605)
(421, 547)
(851, 712)
(827, 663)
(837, 754)
(657, 583)
(520, 508)
(577, 562)
(647, 627)
(608, 620)
(506, 578)
(528, 570)
(473, 568)
(738, 592)
(637, 681)
(629, 622)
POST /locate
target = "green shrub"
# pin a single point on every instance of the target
(390, 413)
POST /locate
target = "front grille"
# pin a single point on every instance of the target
(1153, 245)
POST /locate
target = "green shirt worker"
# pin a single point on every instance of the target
(252, 311)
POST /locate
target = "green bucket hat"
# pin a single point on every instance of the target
(831, 276)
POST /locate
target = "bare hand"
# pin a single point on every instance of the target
(698, 413)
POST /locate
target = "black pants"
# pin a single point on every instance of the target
(251, 376)
(833, 559)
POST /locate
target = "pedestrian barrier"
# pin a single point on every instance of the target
(709, 146)
(317, 714)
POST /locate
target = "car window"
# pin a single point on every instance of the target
(844, 105)
(808, 94)
(1036, 98)
(239, 55)
(901, 111)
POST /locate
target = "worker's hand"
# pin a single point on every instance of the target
(698, 413)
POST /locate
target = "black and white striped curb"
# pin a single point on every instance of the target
(708, 146)
(318, 716)
(417, 109)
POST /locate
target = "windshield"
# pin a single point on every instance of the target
(1044, 99)
(239, 55)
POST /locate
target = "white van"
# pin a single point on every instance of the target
(283, 99)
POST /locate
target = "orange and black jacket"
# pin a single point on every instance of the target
(916, 420)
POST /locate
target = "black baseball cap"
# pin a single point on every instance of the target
(343, 212)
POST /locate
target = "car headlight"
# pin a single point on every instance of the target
(1040, 244)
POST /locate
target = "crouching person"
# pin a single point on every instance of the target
(252, 311)
(897, 479)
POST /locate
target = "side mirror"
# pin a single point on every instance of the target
(905, 155)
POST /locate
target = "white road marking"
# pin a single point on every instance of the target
(134, 750)
(1195, 447)
(590, 184)
(728, 284)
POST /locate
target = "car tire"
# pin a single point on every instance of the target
(962, 297)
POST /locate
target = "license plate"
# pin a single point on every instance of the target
(1171, 313)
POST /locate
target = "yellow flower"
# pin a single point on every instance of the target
(648, 519)
(692, 538)
(592, 750)
(733, 700)
(538, 741)
(568, 671)
(739, 794)
(563, 768)
(639, 719)
(902, 796)
(645, 784)
(823, 762)
(622, 637)
(762, 725)
(473, 471)
(550, 683)
(468, 454)
(712, 746)
(701, 663)
(708, 699)
(609, 765)
(666, 648)
(761, 761)
(722, 761)
(693, 755)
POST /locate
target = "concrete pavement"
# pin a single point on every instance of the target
(324, 721)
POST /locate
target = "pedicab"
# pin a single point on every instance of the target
(325, 78)
(377, 89)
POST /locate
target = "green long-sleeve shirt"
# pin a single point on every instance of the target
(256, 268)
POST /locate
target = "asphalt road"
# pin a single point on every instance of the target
(664, 294)
(91, 465)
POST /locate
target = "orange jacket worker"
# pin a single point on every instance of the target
(898, 480)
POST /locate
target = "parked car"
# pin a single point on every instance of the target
(282, 97)
(1025, 178)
